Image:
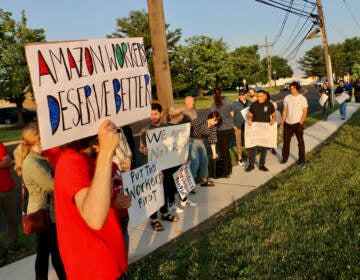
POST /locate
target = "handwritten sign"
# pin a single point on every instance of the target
(260, 134)
(145, 187)
(323, 98)
(342, 97)
(184, 180)
(78, 84)
(169, 145)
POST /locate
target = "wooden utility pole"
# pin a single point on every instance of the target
(326, 49)
(268, 58)
(160, 54)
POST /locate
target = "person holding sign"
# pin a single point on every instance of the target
(155, 117)
(176, 114)
(91, 241)
(340, 90)
(263, 111)
(325, 95)
(238, 108)
(293, 118)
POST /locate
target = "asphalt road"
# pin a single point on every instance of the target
(311, 95)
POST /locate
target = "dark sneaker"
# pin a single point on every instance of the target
(263, 168)
(249, 168)
(283, 161)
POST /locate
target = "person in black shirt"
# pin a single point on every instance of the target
(261, 110)
(325, 90)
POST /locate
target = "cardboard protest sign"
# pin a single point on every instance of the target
(184, 180)
(342, 97)
(79, 84)
(260, 134)
(169, 145)
(145, 187)
(323, 98)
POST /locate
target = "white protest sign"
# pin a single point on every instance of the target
(145, 187)
(342, 97)
(244, 112)
(260, 134)
(323, 98)
(169, 145)
(79, 84)
(184, 180)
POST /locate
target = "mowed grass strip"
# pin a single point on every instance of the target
(303, 224)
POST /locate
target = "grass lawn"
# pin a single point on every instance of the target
(10, 134)
(303, 224)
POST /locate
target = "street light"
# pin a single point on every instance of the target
(274, 75)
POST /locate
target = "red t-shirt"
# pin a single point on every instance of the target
(117, 188)
(6, 181)
(86, 253)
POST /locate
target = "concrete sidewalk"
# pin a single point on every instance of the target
(144, 240)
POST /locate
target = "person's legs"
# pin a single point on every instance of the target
(194, 157)
(224, 139)
(55, 254)
(203, 162)
(299, 132)
(10, 203)
(124, 222)
(239, 147)
(325, 110)
(42, 256)
(287, 138)
(263, 151)
(342, 109)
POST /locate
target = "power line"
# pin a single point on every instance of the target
(277, 37)
(286, 8)
(351, 13)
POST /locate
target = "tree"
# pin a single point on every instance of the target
(246, 65)
(281, 66)
(137, 25)
(205, 63)
(312, 63)
(14, 73)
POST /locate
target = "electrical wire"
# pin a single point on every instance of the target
(352, 14)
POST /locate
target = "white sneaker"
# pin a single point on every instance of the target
(176, 209)
(188, 202)
(240, 162)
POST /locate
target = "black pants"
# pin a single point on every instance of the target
(169, 190)
(47, 244)
(289, 130)
(224, 139)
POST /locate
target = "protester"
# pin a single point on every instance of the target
(357, 91)
(342, 107)
(189, 108)
(325, 90)
(252, 95)
(293, 118)
(122, 161)
(201, 128)
(176, 117)
(239, 122)
(8, 203)
(349, 88)
(155, 117)
(225, 131)
(278, 115)
(38, 178)
(91, 241)
(263, 111)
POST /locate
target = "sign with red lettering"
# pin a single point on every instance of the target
(78, 84)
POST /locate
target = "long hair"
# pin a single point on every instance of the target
(29, 138)
(218, 98)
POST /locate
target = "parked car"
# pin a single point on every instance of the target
(321, 81)
(286, 86)
(8, 115)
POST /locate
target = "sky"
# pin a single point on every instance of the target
(237, 22)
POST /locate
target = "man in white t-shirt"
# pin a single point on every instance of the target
(293, 118)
